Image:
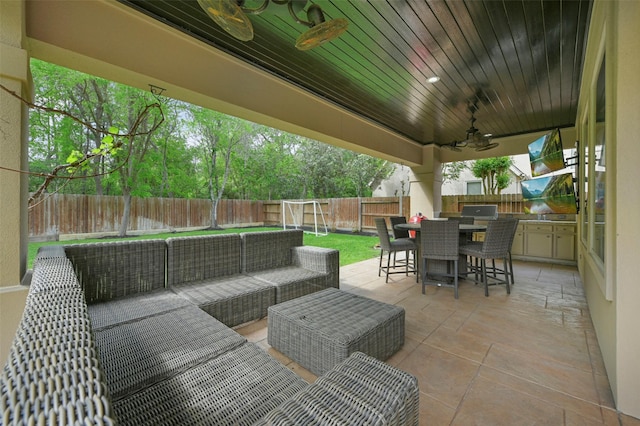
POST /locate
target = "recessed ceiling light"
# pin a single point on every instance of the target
(433, 79)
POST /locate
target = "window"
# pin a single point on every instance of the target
(474, 188)
(599, 168)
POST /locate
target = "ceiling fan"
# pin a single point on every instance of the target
(474, 138)
(231, 16)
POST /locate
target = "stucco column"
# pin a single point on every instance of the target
(622, 252)
(426, 184)
(14, 75)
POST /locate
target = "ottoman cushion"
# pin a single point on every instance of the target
(321, 329)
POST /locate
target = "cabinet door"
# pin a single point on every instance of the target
(539, 244)
(518, 242)
(565, 247)
(565, 242)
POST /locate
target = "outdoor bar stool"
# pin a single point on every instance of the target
(514, 228)
(400, 234)
(496, 245)
(389, 246)
(509, 272)
(440, 241)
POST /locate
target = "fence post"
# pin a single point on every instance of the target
(359, 214)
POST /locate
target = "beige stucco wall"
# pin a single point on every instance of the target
(626, 233)
(14, 76)
(613, 293)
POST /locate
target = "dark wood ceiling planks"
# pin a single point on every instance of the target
(519, 61)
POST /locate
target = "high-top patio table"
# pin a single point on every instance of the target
(321, 329)
(441, 266)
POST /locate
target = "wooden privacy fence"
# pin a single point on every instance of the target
(63, 214)
(507, 203)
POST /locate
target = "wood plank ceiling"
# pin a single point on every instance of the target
(519, 61)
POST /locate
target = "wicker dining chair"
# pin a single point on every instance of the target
(399, 233)
(496, 245)
(439, 240)
(514, 228)
(393, 247)
(468, 220)
(494, 270)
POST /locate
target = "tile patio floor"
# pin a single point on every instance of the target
(531, 357)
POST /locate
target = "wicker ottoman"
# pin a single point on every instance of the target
(321, 329)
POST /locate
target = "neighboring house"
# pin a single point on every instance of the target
(396, 184)
(468, 184)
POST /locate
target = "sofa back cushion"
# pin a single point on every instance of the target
(268, 250)
(116, 269)
(200, 258)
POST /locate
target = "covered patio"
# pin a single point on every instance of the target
(112, 40)
(492, 360)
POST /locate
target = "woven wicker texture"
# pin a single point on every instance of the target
(202, 258)
(110, 270)
(53, 375)
(132, 308)
(138, 354)
(389, 246)
(322, 329)
(267, 250)
(53, 274)
(496, 245)
(439, 239)
(359, 391)
(398, 233)
(292, 281)
(237, 388)
(313, 269)
(231, 300)
(46, 252)
(385, 241)
(496, 241)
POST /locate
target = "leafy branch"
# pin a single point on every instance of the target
(111, 144)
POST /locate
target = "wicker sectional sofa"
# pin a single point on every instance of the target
(105, 340)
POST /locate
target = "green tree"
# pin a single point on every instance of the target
(493, 172)
(451, 171)
(217, 136)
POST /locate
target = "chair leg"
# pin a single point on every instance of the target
(513, 279)
(455, 279)
(506, 275)
(388, 266)
(415, 266)
(380, 263)
(406, 263)
(483, 263)
(423, 272)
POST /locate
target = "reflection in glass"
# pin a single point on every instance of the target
(584, 173)
(599, 168)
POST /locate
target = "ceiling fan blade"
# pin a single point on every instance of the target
(487, 147)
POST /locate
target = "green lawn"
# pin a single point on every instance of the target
(353, 248)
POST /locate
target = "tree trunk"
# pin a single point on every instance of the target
(214, 214)
(126, 214)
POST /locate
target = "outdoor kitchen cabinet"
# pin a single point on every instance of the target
(545, 241)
